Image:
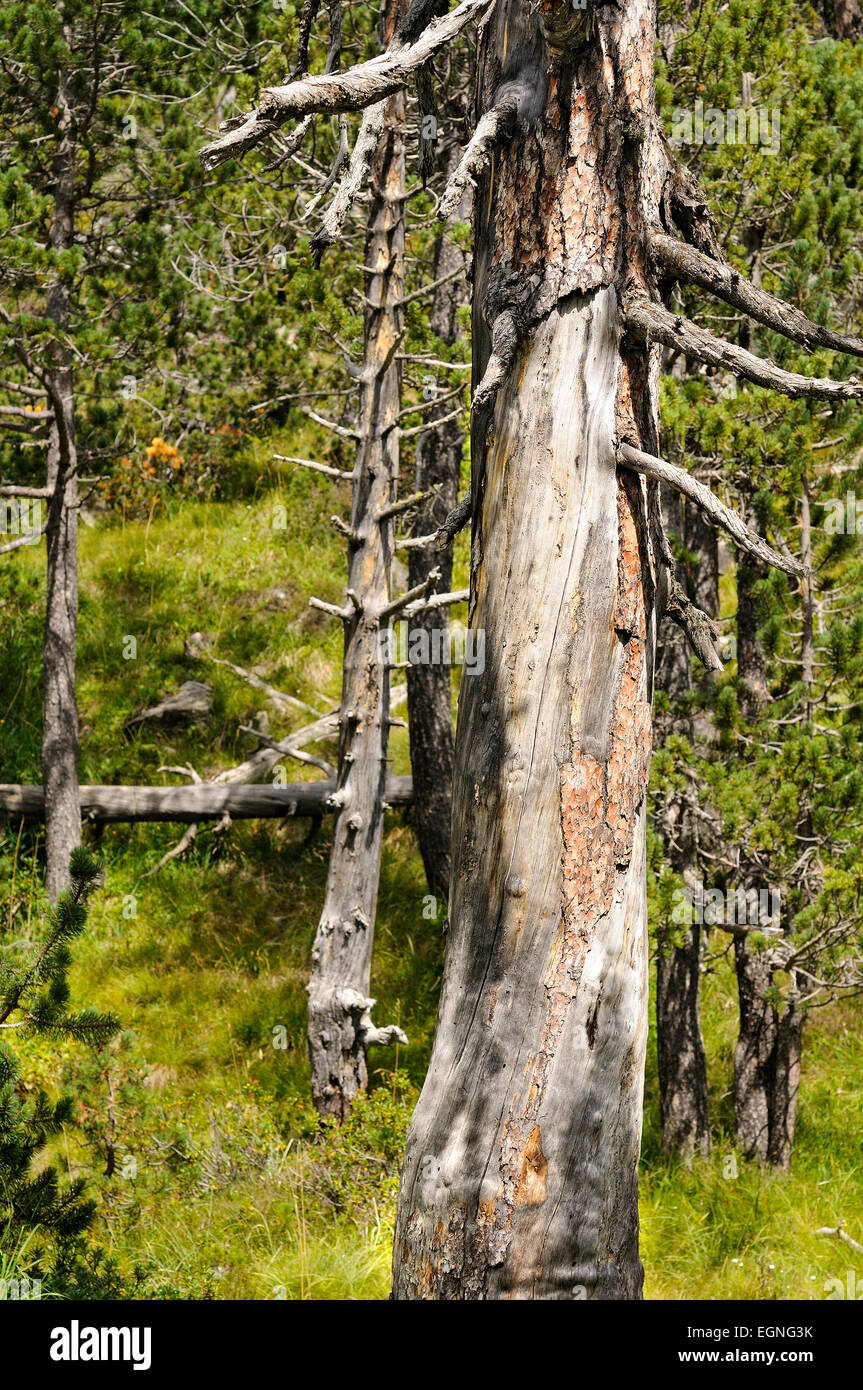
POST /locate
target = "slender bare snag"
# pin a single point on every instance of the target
(59, 700)
(339, 1026)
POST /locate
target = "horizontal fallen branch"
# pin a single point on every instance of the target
(205, 801)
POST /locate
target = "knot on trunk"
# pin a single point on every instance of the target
(359, 1009)
(567, 25)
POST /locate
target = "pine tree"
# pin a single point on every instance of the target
(772, 771)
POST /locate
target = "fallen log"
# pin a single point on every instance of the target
(205, 801)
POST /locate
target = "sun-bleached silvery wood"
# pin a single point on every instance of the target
(520, 1179)
(339, 1030)
(533, 1098)
(186, 804)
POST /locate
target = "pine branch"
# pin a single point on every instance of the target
(353, 90)
(690, 487)
(721, 279)
(650, 321)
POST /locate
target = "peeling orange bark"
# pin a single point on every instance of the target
(520, 1179)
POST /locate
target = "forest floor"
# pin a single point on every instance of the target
(223, 1185)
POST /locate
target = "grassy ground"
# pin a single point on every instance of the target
(222, 1186)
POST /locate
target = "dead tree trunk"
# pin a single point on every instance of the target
(786, 1082)
(754, 1053)
(533, 1096)
(682, 1062)
(751, 663)
(438, 467)
(754, 1058)
(673, 660)
(59, 700)
(339, 1026)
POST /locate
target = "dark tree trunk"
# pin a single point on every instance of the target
(751, 662)
(438, 464)
(673, 663)
(754, 1055)
(681, 1058)
(60, 709)
(786, 1084)
(842, 18)
(682, 1063)
(340, 1028)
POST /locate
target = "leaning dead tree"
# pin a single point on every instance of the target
(340, 1029)
(520, 1177)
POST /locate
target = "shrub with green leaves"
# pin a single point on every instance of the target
(39, 1213)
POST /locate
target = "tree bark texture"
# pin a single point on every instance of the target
(59, 700)
(520, 1177)
(683, 1101)
(438, 465)
(754, 1058)
(339, 1028)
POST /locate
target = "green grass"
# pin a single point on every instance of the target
(223, 1186)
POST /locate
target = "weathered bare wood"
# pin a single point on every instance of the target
(339, 1024)
(653, 321)
(436, 602)
(205, 801)
(493, 127)
(688, 263)
(31, 538)
(333, 221)
(353, 90)
(455, 522)
(701, 630)
(59, 649)
(520, 1176)
(506, 333)
(839, 1233)
(689, 486)
(339, 473)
